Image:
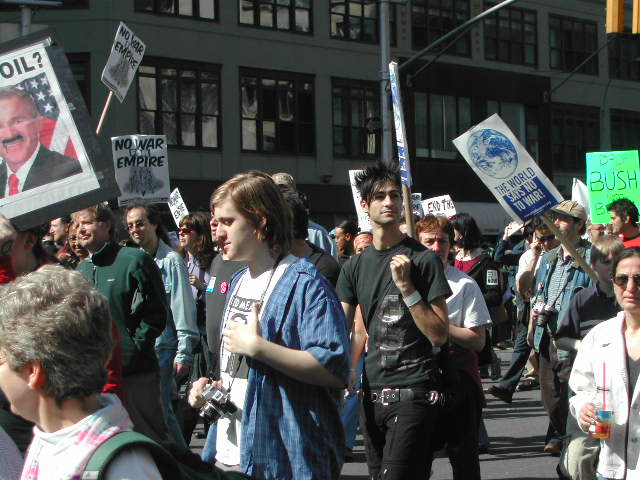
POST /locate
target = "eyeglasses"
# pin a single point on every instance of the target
(546, 238)
(185, 231)
(623, 280)
(138, 224)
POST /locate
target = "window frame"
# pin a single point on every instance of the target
(564, 51)
(574, 113)
(355, 84)
(346, 38)
(277, 75)
(292, 10)
(511, 11)
(430, 4)
(195, 8)
(617, 58)
(181, 65)
(624, 118)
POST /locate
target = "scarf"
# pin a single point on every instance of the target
(62, 455)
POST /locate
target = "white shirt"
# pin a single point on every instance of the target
(466, 305)
(22, 173)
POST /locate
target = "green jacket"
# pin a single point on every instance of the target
(132, 283)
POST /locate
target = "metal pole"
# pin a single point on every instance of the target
(25, 20)
(385, 115)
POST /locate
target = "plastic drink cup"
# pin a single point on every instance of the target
(602, 427)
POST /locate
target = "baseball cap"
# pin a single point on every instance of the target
(571, 208)
(285, 180)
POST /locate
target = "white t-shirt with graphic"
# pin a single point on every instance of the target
(247, 292)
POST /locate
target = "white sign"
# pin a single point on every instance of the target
(177, 206)
(398, 119)
(363, 218)
(507, 169)
(142, 167)
(416, 204)
(442, 205)
(126, 54)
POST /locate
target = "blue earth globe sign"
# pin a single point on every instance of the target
(493, 153)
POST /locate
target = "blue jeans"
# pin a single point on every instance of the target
(167, 391)
(209, 450)
(350, 410)
(521, 351)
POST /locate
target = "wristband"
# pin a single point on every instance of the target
(412, 299)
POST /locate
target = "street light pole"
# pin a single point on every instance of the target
(385, 58)
(25, 11)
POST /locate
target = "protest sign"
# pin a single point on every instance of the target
(416, 204)
(142, 167)
(398, 119)
(611, 175)
(44, 129)
(363, 218)
(125, 57)
(177, 206)
(580, 194)
(442, 205)
(507, 169)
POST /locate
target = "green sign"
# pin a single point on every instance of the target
(611, 175)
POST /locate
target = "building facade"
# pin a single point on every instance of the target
(292, 85)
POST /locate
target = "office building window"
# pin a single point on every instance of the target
(624, 58)
(356, 118)
(80, 64)
(575, 130)
(510, 35)
(625, 130)
(66, 5)
(289, 15)
(180, 100)
(277, 112)
(431, 19)
(202, 9)
(438, 120)
(522, 120)
(571, 42)
(358, 20)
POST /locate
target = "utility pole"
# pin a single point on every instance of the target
(385, 58)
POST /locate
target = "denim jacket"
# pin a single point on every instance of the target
(181, 332)
(578, 280)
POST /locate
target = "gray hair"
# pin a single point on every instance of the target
(8, 92)
(54, 317)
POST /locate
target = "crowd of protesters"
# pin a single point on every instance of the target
(285, 339)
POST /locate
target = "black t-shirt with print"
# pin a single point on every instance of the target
(398, 351)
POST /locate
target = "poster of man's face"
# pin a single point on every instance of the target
(49, 156)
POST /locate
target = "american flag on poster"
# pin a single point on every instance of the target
(53, 133)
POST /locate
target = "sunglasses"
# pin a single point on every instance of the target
(623, 280)
(546, 238)
(185, 231)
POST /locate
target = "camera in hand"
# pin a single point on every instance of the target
(544, 312)
(218, 403)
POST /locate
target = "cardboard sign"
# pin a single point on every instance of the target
(50, 161)
(398, 119)
(442, 205)
(416, 204)
(142, 167)
(363, 218)
(177, 206)
(507, 169)
(126, 54)
(611, 175)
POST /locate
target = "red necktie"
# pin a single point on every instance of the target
(14, 182)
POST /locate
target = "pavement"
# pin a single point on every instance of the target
(516, 433)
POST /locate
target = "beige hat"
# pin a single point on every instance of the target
(571, 208)
(284, 179)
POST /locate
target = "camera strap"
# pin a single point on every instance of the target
(264, 292)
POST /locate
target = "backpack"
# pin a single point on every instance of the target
(169, 468)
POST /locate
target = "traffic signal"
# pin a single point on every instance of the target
(615, 15)
(635, 22)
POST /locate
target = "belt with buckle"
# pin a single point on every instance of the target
(386, 396)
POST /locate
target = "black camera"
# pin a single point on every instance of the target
(218, 404)
(544, 312)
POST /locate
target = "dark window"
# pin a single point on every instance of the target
(575, 130)
(66, 5)
(358, 20)
(356, 118)
(180, 100)
(625, 130)
(277, 112)
(438, 120)
(80, 64)
(510, 35)
(571, 41)
(290, 15)
(624, 57)
(203, 9)
(522, 120)
(431, 19)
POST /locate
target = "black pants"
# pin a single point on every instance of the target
(457, 429)
(395, 437)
